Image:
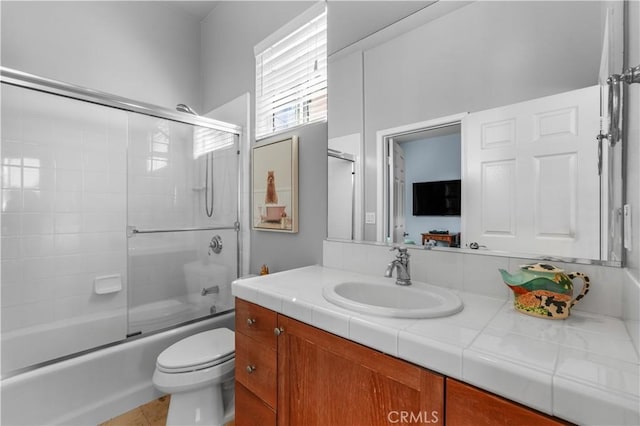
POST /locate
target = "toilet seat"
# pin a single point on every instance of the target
(198, 352)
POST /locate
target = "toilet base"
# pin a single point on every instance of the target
(198, 407)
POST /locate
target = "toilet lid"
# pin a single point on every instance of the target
(199, 351)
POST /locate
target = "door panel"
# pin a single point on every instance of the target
(498, 198)
(327, 380)
(531, 173)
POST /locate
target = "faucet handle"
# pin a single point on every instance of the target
(402, 251)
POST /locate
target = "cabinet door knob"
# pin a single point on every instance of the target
(251, 368)
(251, 321)
(278, 331)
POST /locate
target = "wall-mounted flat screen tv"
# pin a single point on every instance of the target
(441, 198)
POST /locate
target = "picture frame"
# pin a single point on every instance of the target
(275, 186)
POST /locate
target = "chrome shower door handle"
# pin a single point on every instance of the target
(614, 108)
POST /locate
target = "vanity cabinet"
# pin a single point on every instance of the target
(468, 405)
(256, 365)
(327, 380)
(251, 410)
(290, 373)
(310, 377)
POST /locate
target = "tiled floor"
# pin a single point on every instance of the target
(153, 413)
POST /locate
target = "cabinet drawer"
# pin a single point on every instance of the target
(252, 411)
(256, 322)
(256, 368)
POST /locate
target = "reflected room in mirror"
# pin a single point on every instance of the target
(506, 97)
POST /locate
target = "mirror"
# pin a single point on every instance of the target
(446, 64)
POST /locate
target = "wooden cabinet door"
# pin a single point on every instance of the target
(467, 405)
(251, 410)
(327, 380)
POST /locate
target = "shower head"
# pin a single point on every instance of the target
(186, 108)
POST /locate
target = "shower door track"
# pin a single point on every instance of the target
(42, 84)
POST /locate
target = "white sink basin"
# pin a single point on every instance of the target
(418, 300)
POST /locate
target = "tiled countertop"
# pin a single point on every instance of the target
(584, 369)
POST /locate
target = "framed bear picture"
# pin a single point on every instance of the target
(275, 186)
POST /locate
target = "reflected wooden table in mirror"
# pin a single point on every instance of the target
(452, 239)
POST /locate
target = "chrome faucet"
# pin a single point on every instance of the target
(210, 290)
(401, 264)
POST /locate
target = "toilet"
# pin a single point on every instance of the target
(198, 372)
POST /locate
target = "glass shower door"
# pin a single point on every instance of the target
(182, 206)
(63, 226)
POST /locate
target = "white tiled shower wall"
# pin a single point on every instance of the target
(63, 212)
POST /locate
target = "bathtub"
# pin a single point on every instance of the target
(94, 387)
(43, 342)
(158, 315)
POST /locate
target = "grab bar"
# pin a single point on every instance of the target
(132, 230)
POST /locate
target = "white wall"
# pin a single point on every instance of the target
(144, 50)
(280, 251)
(229, 35)
(431, 159)
(346, 100)
(228, 39)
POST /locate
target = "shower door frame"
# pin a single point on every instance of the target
(28, 81)
(42, 84)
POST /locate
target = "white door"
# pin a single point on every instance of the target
(531, 182)
(397, 191)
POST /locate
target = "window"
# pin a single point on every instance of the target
(208, 140)
(291, 74)
(159, 147)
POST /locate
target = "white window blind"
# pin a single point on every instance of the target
(208, 140)
(291, 74)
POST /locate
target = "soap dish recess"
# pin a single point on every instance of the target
(107, 284)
